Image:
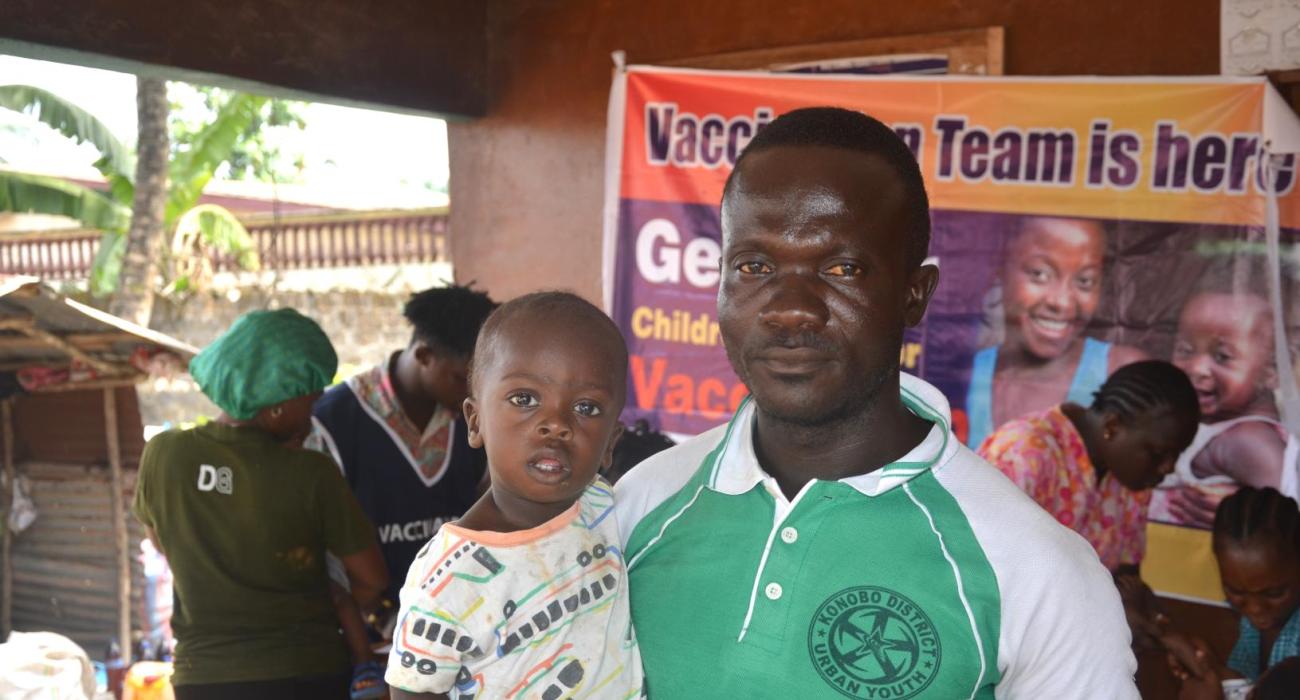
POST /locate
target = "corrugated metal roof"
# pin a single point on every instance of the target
(26, 302)
(65, 564)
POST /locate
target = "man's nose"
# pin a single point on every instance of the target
(795, 305)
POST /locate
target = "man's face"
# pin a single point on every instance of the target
(444, 376)
(816, 288)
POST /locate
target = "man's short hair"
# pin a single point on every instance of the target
(833, 127)
(448, 318)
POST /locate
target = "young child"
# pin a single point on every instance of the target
(526, 595)
(1051, 282)
(1092, 468)
(1225, 344)
(1257, 545)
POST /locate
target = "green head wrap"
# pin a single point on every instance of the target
(265, 358)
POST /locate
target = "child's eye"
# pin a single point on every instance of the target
(1086, 284)
(587, 408)
(522, 399)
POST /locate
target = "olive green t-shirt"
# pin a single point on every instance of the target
(245, 524)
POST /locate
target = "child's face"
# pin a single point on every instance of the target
(1225, 345)
(1051, 283)
(1260, 579)
(546, 407)
(1141, 451)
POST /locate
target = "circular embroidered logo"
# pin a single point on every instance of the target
(870, 642)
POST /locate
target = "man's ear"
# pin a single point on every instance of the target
(608, 459)
(472, 436)
(424, 354)
(921, 284)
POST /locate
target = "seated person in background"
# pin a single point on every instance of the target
(1225, 344)
(526, 595)
(1257, 546)
(1092, 467)
(246, 517)
(1051, 284)
(637, 444)
(396, 430)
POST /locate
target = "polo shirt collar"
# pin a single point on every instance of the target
(735, 468)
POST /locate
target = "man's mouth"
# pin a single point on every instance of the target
(793, 360)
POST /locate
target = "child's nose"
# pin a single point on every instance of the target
(553, 425)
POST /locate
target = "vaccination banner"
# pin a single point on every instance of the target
(1078, 224)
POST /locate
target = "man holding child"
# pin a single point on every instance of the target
(835, 539)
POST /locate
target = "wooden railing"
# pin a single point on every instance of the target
(352, 239)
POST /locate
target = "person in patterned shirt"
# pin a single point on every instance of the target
(1092, 468)
(526, 596)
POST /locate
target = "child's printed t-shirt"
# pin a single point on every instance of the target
(536, 614)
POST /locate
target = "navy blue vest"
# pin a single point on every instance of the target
(404, 509)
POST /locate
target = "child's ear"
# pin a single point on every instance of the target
(1268, 377)
(1111, 425)
(470, 409)
(614, 437)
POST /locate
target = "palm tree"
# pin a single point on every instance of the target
(144, 201)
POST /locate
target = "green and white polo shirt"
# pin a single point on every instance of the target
(932, 577)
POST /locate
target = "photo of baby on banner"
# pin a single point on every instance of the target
(1069, 300)
(1080, 225)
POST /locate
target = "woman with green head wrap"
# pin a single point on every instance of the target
(245, 517)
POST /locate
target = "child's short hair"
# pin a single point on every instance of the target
(1254, 513)
(1147, 386)
(556, 307)
(448, 318)
(637, 443)
(1236, 275)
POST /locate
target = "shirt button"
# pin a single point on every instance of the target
(789, 535)
(773, 591)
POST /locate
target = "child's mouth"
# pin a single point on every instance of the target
(548, 469)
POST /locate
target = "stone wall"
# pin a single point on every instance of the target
(363, 325)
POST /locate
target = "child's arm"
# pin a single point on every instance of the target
(1251, 453)
(399, 694)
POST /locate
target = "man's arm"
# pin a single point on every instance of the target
(367, 575)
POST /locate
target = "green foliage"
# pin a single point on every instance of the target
(71, 121)
(193, 167)
(230, 134)
(39, 194)
(251, 158)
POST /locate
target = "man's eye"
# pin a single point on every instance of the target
(844, 270)
(753, 268)
(587, 408)
(522, 399)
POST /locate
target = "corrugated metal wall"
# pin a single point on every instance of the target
(65, 565)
